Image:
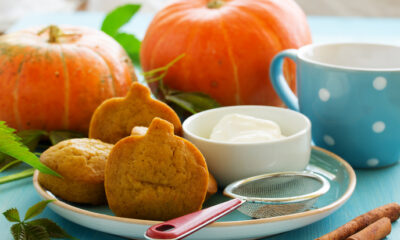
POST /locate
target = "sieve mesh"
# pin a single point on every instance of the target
(262, 210)
(274, 195)
(284, 186)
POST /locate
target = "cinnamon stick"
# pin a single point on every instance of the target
(391, 210)
(375, 231)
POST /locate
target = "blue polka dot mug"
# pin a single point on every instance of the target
(351, 93)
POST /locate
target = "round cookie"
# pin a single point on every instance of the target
(115, 117)
(157, 176)
(81, 162)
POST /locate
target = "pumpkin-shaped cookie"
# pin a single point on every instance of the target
(115, 117)
(212, 183)
(157, 176)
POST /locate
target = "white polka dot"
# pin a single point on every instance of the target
(372, 162)
(379, 83)
(378, 127)
(324, 94)
(329, 140)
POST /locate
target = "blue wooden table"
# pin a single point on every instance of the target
(374, 187)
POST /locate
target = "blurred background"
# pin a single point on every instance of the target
(12, 11)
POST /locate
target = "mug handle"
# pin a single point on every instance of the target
(278, 80)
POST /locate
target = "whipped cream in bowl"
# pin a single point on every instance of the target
(239, 128)
(244, 141)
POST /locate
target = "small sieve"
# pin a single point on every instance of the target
(278, 194)
(263, 196)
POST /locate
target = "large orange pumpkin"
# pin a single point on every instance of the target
(228, 46)
(55, 78)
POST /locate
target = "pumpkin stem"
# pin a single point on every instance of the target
(54, 33)
(215, 4)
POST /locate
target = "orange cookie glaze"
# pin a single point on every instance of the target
(115, 117)
(158, 176)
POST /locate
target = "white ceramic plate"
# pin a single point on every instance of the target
(233, 226)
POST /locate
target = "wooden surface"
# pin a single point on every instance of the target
(374, 187)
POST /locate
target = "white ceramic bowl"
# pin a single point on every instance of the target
(229, 162)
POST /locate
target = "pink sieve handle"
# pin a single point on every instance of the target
(181, 227)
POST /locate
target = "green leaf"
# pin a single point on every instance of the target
(9, 164)
(35, 232)
(192, 101)
(158, 74)
(11, 145)
(18, 231)
(12, 215)
(23, 174)
(182, 102)
(118, 17)
(58, 136)
(30, 138)
(36, 209)
(51, 227)
(112, 24)
(39, 229)
(131, 45)
(2, 157)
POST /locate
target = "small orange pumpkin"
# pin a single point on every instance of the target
(228, 46)
(55, 78)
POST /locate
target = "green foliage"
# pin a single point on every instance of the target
(30, 138)
(36, 209)
(38, 229)
(112, 24)
(192, 102)
(58, 136)
(23, 174)
(12, 215)
(158, 74)
(180, 101)
(35, 232)
(131, 45)
(118, 18)
(18, 231)
(51, 228)
(11, 145)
